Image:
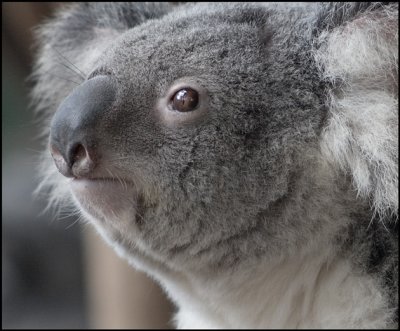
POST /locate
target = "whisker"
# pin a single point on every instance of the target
(35, 151)
(66, 79)
(76, 73)
(73, 223)
(118, 178)
(50, 73)
(125, 170)
(68, 214)
(80, 72)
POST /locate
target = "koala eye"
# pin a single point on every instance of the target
(185, 100)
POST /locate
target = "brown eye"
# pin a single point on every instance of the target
(185, 100)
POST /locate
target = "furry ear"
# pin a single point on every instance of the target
(357, 52)
(70, 44)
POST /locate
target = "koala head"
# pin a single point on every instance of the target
(195, 135)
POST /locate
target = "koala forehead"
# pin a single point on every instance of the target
(175, 47)
(239, 55)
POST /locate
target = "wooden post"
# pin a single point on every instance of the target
(119, 296)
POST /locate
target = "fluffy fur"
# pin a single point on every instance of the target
(275, 205)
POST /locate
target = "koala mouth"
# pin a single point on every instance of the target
(106, 198)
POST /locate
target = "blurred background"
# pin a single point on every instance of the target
(55, 272)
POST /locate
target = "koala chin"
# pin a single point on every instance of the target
(245, 155)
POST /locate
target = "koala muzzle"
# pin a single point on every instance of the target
(74, 131)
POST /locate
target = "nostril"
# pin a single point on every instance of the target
(81, 160)
(77, 153)
(77, 161)
(60, 162)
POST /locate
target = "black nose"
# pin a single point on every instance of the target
(75, 129)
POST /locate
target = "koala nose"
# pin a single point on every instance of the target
(74, 130)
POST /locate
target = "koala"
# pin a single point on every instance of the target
(244, 155)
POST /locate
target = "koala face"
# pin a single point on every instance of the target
(185, 152)
(192, 134)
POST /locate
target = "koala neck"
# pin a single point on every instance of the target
(308, 290)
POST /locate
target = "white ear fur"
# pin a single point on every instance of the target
(360, 59)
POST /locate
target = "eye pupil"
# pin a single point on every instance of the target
(185, 100)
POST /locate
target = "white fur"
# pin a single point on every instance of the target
(310, 290)
(362, 132)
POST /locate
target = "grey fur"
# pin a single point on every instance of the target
(247, 183)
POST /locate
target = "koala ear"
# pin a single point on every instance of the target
(356, 50)
(70, 44)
